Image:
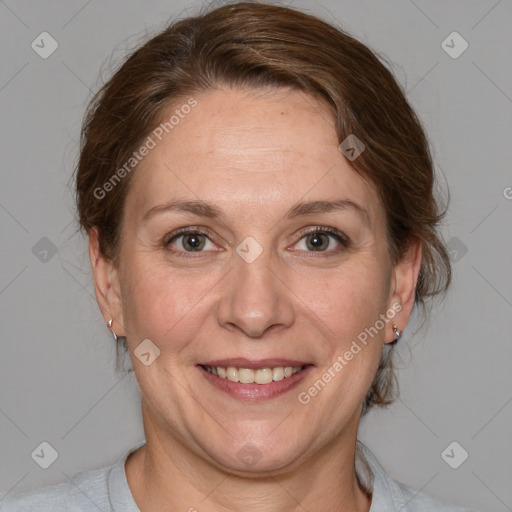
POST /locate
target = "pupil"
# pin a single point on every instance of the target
(193, 241)
(316, 240)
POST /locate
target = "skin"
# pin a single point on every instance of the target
(253, 154)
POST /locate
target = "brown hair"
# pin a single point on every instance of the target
(252, 45)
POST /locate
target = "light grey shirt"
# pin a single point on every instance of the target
(106, 490)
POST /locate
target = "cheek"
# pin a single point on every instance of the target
(347, 300)
(349, 306)
(157, 302)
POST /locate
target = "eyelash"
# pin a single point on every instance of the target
(337, 235)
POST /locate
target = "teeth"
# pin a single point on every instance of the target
(263, 376)
(246, 375)
(232, 374)
(278, 373)
(249, 376)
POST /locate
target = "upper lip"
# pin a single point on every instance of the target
(254, 364)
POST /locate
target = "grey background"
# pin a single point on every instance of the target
(57, 378)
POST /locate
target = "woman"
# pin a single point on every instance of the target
(258, 198)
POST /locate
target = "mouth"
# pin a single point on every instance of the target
(255, 380)
(260, 376)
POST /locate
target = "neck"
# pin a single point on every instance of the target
(165, 474)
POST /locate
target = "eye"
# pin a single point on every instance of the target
(189, 240)
(318, 239)
(322, 239)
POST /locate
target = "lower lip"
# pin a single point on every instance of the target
(256, 392)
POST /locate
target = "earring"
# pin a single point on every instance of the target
(109, 325)
(397, 332)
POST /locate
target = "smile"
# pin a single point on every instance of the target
(256, 376)
(263, 380)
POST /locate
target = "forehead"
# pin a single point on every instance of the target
(252, 149)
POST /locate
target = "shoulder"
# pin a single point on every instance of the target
(389, 495)
(420, 502)
(86, 491)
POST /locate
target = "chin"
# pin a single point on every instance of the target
(258, 456)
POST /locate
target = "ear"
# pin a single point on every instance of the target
(106, 285)
(403, 289)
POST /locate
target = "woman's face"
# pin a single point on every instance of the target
(287, 266)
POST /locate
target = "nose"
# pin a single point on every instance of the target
(255, 297)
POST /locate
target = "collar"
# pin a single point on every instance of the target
(386, 493)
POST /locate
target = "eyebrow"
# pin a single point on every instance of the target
(204, 209)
